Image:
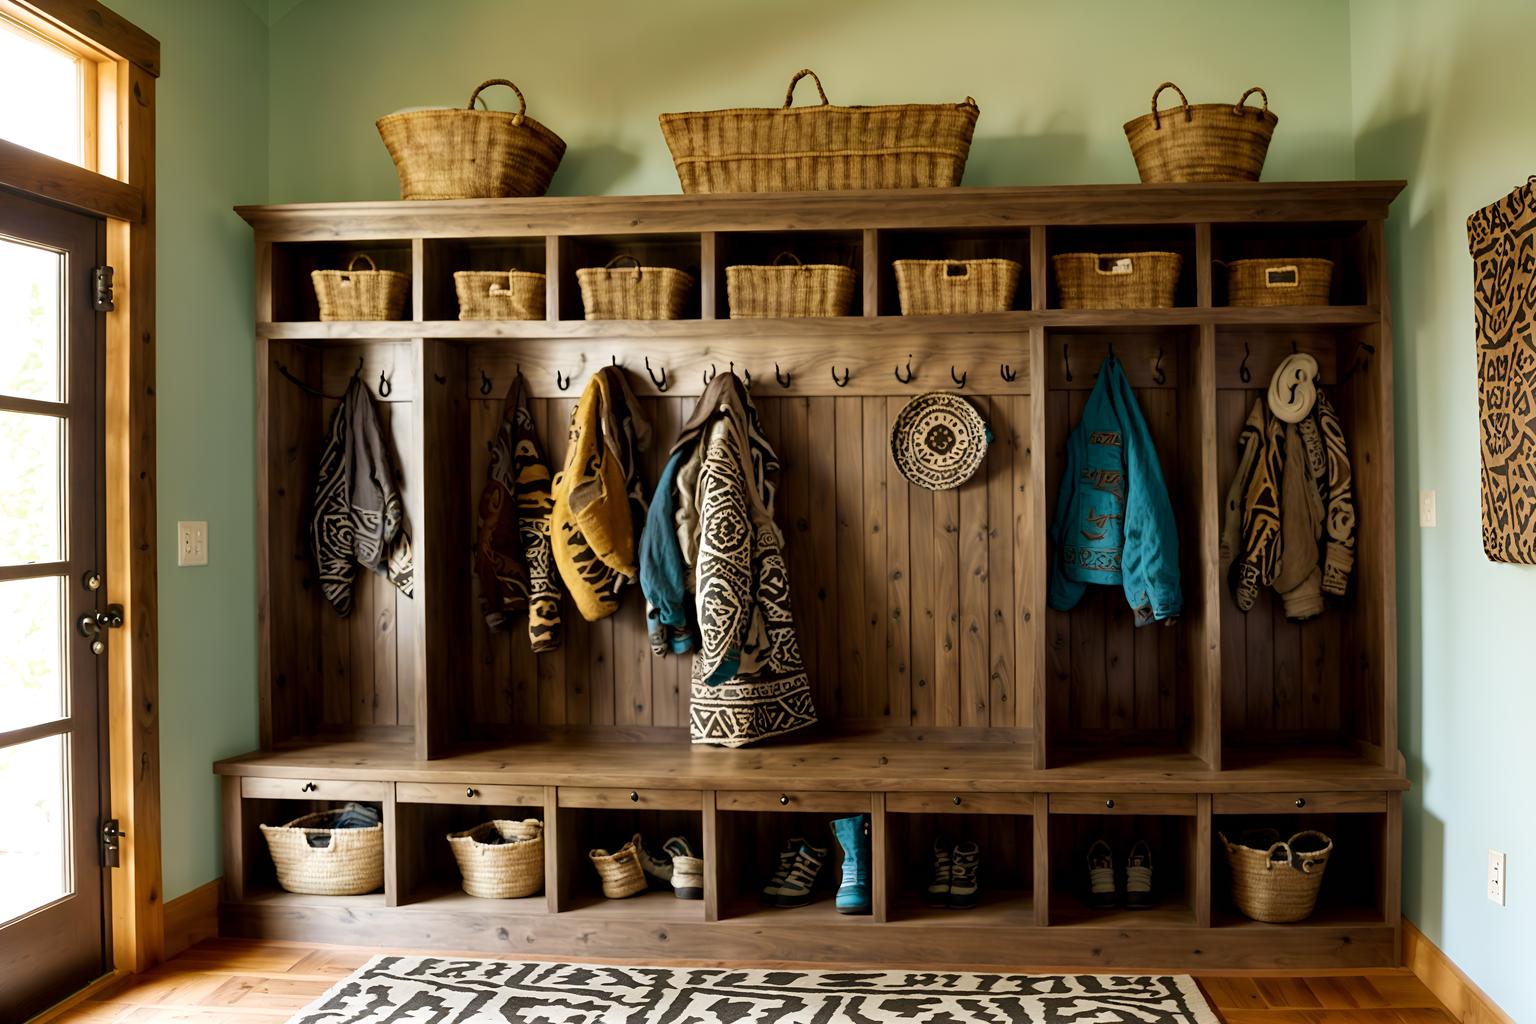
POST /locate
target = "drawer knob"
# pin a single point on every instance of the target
(308, 787)
(471, 791)
(634, 797)
(1301, 801)
(784, 799)
(957, 801)
(1110, 803)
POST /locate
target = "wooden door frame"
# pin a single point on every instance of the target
(126, 90)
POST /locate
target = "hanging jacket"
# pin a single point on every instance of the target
(512, 552)
(748, 681)
(599, 498)
(1257, 555)
(1114, 522)
(357, 517)
(1339, 498)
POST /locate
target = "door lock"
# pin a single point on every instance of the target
(110, 851)
(92, 623)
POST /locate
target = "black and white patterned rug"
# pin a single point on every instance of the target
(430, 990)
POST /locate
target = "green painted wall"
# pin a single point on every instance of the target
(211, 153)
(1055, 80)
(1439, 99)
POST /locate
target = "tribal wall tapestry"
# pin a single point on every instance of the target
(451, 991)
(1502, 239)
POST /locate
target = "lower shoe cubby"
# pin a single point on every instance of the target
(928, 836)
(753, 829)
(1077, 823)
(589, 821)
(1353, 887)
(428, 872)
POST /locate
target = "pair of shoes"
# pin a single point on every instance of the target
(1103, 891)
(678, 868)
(799, 865)
(955, 869)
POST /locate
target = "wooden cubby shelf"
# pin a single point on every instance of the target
(952, 701)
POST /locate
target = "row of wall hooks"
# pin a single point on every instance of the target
(785, 379)
(1159, 375)
(386, 385)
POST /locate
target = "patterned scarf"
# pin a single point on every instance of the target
(512, 552)
(358, 517)
(599, 498)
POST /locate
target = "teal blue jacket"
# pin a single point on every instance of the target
(1114, 522)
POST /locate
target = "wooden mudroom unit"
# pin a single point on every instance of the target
(948, 693)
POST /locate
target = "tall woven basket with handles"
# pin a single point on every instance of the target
(620, 872)
(1279, 884)
(1116, 280)
(1203, 141)
(928, 287)
(508, 869)
(798, 149)
(354, 294)
(1279, 282)
(796, 289)
(351, 864)
(499, 294)
(471, 154)
(633, 293)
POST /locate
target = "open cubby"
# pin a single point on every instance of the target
(260, 876)
(1353, 888)
(293, 290)
(937, 671)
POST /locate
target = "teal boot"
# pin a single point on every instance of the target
(852, 835)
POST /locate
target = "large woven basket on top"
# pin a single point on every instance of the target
(792, 289)
(1202, 141)
(620, 872)
(506, 870)
(794, 149)
(1279, 282)
(929, 287)
(633, 293)
(499, 294)
(445, 153)
(1116, 280)
(350, 865)
(1278, 884)
(353, 294)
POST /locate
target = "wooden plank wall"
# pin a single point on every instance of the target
(904, 598)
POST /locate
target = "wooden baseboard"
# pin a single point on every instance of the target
(96, 988)
(192, 917)
(1460, 994)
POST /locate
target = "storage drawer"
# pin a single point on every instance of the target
(1127, 803)
(311, 789)
(655, 799)
(1299, 803)
(960, 803)
(455, 793)
(793, 800)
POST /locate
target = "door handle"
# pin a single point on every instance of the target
(92, 623)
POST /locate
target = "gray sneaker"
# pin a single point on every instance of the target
(801, 879)
(786, 861)
(962, 884)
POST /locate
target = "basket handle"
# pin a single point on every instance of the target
(497, 288)
(789, 96)
(957, 268)
(352, 263)
(1305, 862)
(780, 256)
(522, 103)
(1241, 109)
(639, 270)
(1157, 118)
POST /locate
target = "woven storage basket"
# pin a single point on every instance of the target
(1279, 282)
(621, 872)
(955, 286)
(795, 149)
(351, 865)
(1201, 142)
(798, 289)
(1116, 280)
(499, 295)
(503, 871)
(1280, 884)
(633, 293)
(471, 154)
(353, 294)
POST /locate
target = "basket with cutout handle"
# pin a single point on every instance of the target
(361, 294)
(788, 288)
(1278, 883)
(1202, 141)
(633, 292)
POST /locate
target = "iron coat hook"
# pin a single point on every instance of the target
(847, 372)
(485, 382)
(783, 378)
(1009, 373)
(1242, 369)
(910, 373)
(1157, 368)
(563, 385)
(1066, 361)
(661, 385)
(960, 380)
(385, 387)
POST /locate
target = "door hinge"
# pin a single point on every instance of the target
(101, 289)
(110, 834)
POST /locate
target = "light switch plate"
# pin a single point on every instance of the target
(1498, 865)
(191, 543)
(1426, 508)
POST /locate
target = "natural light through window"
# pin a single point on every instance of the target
(43, 105)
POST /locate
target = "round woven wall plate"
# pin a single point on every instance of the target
(939, 440)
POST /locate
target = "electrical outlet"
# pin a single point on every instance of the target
(1498, 864)
(192, 543)
(1426, 508)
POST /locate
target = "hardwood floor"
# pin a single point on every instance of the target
(238, 981)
